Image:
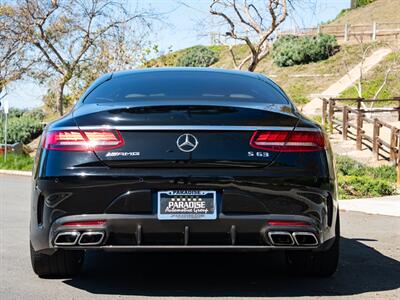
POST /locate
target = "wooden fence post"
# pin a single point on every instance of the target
(393, 144)
(374, 31)
(398, 161)
(398, 117)
(359, 130)
(345, 122)
(359, 103)
(375, 137)
(346, 32)
(330, 114)
(324, 107)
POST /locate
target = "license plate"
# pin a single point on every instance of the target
(187, 205)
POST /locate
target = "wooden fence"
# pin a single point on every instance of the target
(345, 32)
(350, 123)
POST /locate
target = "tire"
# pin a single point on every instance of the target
(61, 264)
(318, 264)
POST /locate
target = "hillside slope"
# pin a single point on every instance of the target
(375, 78)
(378, 11)
(301, 81)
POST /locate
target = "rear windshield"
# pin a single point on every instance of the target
(185, 86)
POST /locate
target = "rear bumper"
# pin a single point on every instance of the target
(245, 205)
(146, 233)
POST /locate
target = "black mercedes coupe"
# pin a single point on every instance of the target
(184, 159)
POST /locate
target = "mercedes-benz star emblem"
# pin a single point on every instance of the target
(187, 142)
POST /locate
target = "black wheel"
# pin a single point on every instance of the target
(320, 264)
(62, 263)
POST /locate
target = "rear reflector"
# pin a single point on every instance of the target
(85, 223)
(288, 141)
(77, 140)
(287, 223)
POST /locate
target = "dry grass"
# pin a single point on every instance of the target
(379, 11)
(300, 89)
(375, 78)
(317, 76)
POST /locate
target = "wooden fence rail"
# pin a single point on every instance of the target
(373, 30)
(350, 122)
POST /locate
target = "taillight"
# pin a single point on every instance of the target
(288, 141)
(77, 140)
(104, 140)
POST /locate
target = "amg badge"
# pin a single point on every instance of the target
(123, 154)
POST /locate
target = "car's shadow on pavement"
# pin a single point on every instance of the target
(362, 269)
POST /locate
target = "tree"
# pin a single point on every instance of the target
(13, 51)
(252, 23)
(66, 34)
(125, 49)
(366, 50)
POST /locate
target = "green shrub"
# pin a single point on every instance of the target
(198, 56)
(23, 126)
(15, 113)
(16, 162)
(349, 167)
(357, 180)
(360, 3)
(36, 113)
(364, 186)
(293, 50)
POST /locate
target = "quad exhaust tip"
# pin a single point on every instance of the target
(71, 238)
(305, 238)
(281, 238)
(67, 238)
(91, 238)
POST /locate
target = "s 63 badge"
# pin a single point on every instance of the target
(257, 154)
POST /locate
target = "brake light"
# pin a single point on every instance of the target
(77, 140)
(287, 223)
(85, 223)
(288, 141)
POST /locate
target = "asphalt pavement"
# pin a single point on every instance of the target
(369, 266)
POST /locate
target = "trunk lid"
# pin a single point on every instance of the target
(153, 133)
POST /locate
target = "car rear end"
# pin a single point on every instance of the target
(196, 173)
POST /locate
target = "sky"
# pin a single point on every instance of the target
(181, 30)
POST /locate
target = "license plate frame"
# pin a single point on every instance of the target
(187, 205)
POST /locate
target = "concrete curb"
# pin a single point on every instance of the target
(387, 206)
(15, 172)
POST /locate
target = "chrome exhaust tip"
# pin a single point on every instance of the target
(281, 238)
(305, 238)
(66, 238)
(91, 238)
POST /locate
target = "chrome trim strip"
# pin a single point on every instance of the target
(138, 248)
(188, 128)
